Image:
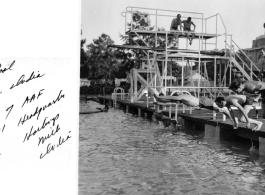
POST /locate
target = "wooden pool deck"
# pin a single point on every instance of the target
(198, 119)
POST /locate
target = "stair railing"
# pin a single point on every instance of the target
(251, 63)
(244, 64)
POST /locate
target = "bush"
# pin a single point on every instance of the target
(96, 89)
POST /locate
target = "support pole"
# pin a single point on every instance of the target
(214, 115)
(263, 103)
(224, 117)
(139, 112)
(216, 34)
(165, 71)
(162, 84)
(171, 74)
(199, 70)
(215, 76)
(176, 112)
(135, 85)
(220, 72)
(182, 73)
(147, 99)
(261, 146)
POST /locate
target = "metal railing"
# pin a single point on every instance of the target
(249, 66)
(115, 95)
(216, 30)
(155, 12)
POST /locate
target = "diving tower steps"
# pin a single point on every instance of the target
(248, 76)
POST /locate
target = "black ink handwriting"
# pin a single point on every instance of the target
(3, 127)
(44, 124)
(22, 81)
(29, 100)
(5, 69)
(42, 139)
(9, 108)
(51, 147)
(39, 110)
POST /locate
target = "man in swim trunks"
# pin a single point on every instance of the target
(176, 22)
(251, 87)
(189, 100)
(243, 103)
(187, 24)
(192, 101)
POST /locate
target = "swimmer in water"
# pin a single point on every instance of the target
(105, 109)
(164, 119)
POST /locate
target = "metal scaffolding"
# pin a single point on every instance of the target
(155, 73)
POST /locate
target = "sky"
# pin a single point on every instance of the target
(243, 19)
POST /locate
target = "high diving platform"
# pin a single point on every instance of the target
(170, 61)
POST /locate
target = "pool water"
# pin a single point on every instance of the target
(124, 154)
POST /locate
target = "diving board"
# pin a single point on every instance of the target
(175, 50)
(131, 47)
(171, 34)
(204, 52)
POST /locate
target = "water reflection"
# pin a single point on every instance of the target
(122, 154)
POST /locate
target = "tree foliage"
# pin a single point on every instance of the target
(83, 60)
(100, 59)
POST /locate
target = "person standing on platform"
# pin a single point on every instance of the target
(176, 26)
(261, 73)
(187, 24)
(244, 104)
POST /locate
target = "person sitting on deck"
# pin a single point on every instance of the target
(250, 87)
(243, 103)
(187, 25)
(189, 100)
(176, 22)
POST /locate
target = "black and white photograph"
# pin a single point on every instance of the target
(172, 97)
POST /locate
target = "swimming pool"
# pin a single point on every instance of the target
(124, 154)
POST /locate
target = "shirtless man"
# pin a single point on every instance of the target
(176, 22)
(262, 54)
(192, 101)
(243, 103)
(251, 87)
(187, 25)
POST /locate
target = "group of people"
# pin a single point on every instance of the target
(224, 104)
(176, 25)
